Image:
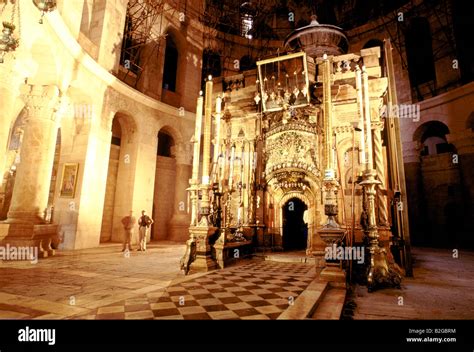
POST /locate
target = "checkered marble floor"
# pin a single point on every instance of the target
(254, 290)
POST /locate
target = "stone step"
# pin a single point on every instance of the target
(288, 258)
(307, 301)
(331, 304)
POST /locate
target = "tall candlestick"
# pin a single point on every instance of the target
(360, 111)
(197, 137)
(218, 128)
(328, 111)
(206, 158)
(223, 165)
(368, 127)
(231, 166)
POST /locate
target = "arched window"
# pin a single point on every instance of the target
(170, 71)
(165, 142)
(247, 63)
(130, 51)
(432, 136)
(419, 52)
(211, 64)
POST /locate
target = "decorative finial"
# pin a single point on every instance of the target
(314, 19)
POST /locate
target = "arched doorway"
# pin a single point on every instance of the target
(165, 180)
(295, 230)
(118, 193)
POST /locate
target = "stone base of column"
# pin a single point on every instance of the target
(333, 273)
(29, 235)
(203, 261)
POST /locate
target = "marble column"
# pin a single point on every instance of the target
(25, 224)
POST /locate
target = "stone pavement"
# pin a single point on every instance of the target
(102, 283)
(442, 288)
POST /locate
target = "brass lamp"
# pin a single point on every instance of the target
(44, 6)
(7, 42)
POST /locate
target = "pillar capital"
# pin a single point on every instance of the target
(183, 153)
(40, 101)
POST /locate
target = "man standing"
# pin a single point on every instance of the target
(128, 223)
(144, 222)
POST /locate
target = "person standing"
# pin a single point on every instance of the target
(128, 223)
(144, 222)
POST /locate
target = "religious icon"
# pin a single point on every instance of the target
(68, 180)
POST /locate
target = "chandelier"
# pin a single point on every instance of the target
(7, 41)
(44, 6)
(283, 82)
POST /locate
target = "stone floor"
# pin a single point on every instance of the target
(76, 282)
(442, 288)
(102, 283)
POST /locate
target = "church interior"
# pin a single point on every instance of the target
(232, 159)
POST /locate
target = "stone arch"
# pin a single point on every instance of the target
(433, 134)
(308, 200)
(174, 66)
(128, 125)
(433, 126)
(169, 197)
(470, 121)
(120, 175)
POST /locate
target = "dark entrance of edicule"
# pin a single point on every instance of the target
(295, 230)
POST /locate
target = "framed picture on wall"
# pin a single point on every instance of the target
(69, 180)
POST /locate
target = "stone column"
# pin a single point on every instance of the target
(25, 225)
(30, 195)
(179, 223)
(414, 185)
(7, 99)
(464, 142)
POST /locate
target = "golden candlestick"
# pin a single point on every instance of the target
(206, 158)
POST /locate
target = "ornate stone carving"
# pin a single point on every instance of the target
(291, 149)
(40, 101)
